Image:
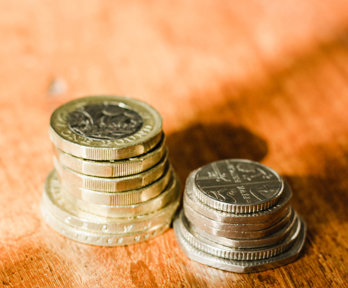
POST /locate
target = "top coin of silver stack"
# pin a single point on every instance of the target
(237, 217)
(112, 183)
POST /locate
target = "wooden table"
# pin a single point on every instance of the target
(264, 80)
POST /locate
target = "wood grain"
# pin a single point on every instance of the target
(260, 80)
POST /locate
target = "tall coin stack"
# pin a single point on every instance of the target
(112, 183)
(237, 217)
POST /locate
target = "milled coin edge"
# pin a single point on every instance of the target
(117, 168)
(242, 266)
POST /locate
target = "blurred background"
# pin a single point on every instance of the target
(247, 79)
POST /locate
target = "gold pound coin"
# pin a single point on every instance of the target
(102, 239)
(63, 211)
(105, 128)
(117, 184)
(131, 197)
(116, 168)
(170, 193)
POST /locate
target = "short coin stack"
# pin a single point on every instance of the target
(112, 183)
(237, 217)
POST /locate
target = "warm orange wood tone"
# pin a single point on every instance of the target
(265, 80)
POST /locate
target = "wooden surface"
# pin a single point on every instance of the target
(264, 80)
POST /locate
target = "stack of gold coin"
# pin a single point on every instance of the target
(112, 183)
(237, 217)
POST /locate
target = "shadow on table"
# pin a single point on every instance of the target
(199, 144)
(321, 199)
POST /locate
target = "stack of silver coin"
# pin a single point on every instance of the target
(237, 217)
(112, 183)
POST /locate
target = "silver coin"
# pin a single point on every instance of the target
(57, 205)
(117, 168)
(131, 197)
(221, 216)
(247, 266)
(269, 240)
(117, 184)
(237, 186)
(235, 253)
(99, 239)
(234, 230)
(200, 220)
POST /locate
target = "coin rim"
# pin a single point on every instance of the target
(246, 243)
(241, 234)
(201, 220)
(171, 191)
(117, 168)
(242, 266)
(90, 222)
(235, 253)
(122, 198)
(116, 184)
(221, 216)
(98, 239)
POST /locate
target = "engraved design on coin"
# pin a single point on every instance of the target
(104, 121)
(239, 182)
(88, 132)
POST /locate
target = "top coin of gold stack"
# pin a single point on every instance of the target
(113, 183)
